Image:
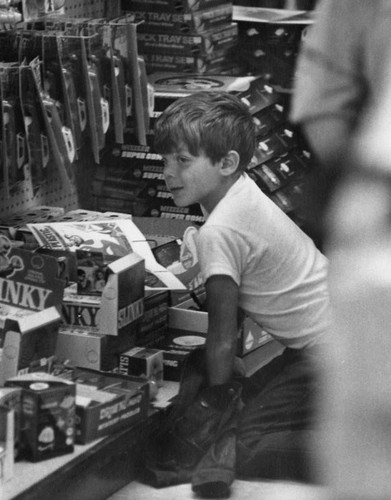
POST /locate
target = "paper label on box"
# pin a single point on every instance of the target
(28, 280)
(113, 238)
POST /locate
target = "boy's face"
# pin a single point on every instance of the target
(193, 179)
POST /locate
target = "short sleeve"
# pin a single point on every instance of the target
(222, 251)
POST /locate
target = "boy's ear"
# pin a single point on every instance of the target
(230, 162)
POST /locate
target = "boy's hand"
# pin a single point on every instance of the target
(222, 295)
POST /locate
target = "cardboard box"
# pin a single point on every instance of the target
(185, 319)
(92, 350)
(101, 352)
(87, 349)
(169, 5)
(186, 316)
(119, 308)
(27, 337)
(260, 95)
(7, 434)
(106, 403)
(155, 314)
(183, 22)
(206, 43)
(174, 357)
(252, 336)
(30, 293)
(48, 415)
(11, 398)
(142, 362)
(255, 359)
(196, 64)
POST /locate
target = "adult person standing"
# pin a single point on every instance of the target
(342, 100)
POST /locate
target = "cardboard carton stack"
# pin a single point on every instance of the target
(270, 39)
(186, 36)
(282, 162)
(131, 179)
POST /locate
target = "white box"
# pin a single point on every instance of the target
(28, 336)
(81, 348)
(250, 335)
(119, 307)
(7, 436)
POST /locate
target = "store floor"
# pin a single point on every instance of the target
(241, 490)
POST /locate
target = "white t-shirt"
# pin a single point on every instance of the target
(281, 275)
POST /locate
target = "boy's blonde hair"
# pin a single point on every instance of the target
(207, 122)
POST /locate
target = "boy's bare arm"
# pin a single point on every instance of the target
(222, 303)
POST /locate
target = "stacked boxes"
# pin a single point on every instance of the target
(98, 327)
(143, 362)
(281, 163)
(30, 295)
(188, 327)
(106, 402)
(269, 47)
(187, 37)
(92, 350)
(131, 179)
(48, 417)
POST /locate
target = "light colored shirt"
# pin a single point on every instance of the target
(340, 68)
(281, 275)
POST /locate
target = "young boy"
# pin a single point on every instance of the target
(254, 260)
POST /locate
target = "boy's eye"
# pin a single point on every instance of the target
(183, 159)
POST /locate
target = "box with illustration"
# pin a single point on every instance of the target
(100, 243)
(119, 308)
(48, 415)
(201, 44)
(106, 402)
(142, 362)
(30, 297)
(183, 22)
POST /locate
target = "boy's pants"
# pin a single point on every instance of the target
(277, 427)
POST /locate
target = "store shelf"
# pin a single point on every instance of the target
(93, 472)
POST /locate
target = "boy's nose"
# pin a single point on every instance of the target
(169, 169)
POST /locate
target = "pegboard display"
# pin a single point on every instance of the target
(51, 193)
(93, 8)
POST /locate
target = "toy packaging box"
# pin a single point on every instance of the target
(186, 320)
(142, 362)
(205, 43)
(183, 22)
(106, 402)
(11, 398)
(176, 347)
(48, 415)
(84, 348)
(120, 306)
(91, 350)
(107, 240)
(10, 426)
(26, 337)
(30, 295)
(169, 5)
(190, 64)
(7, 458)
